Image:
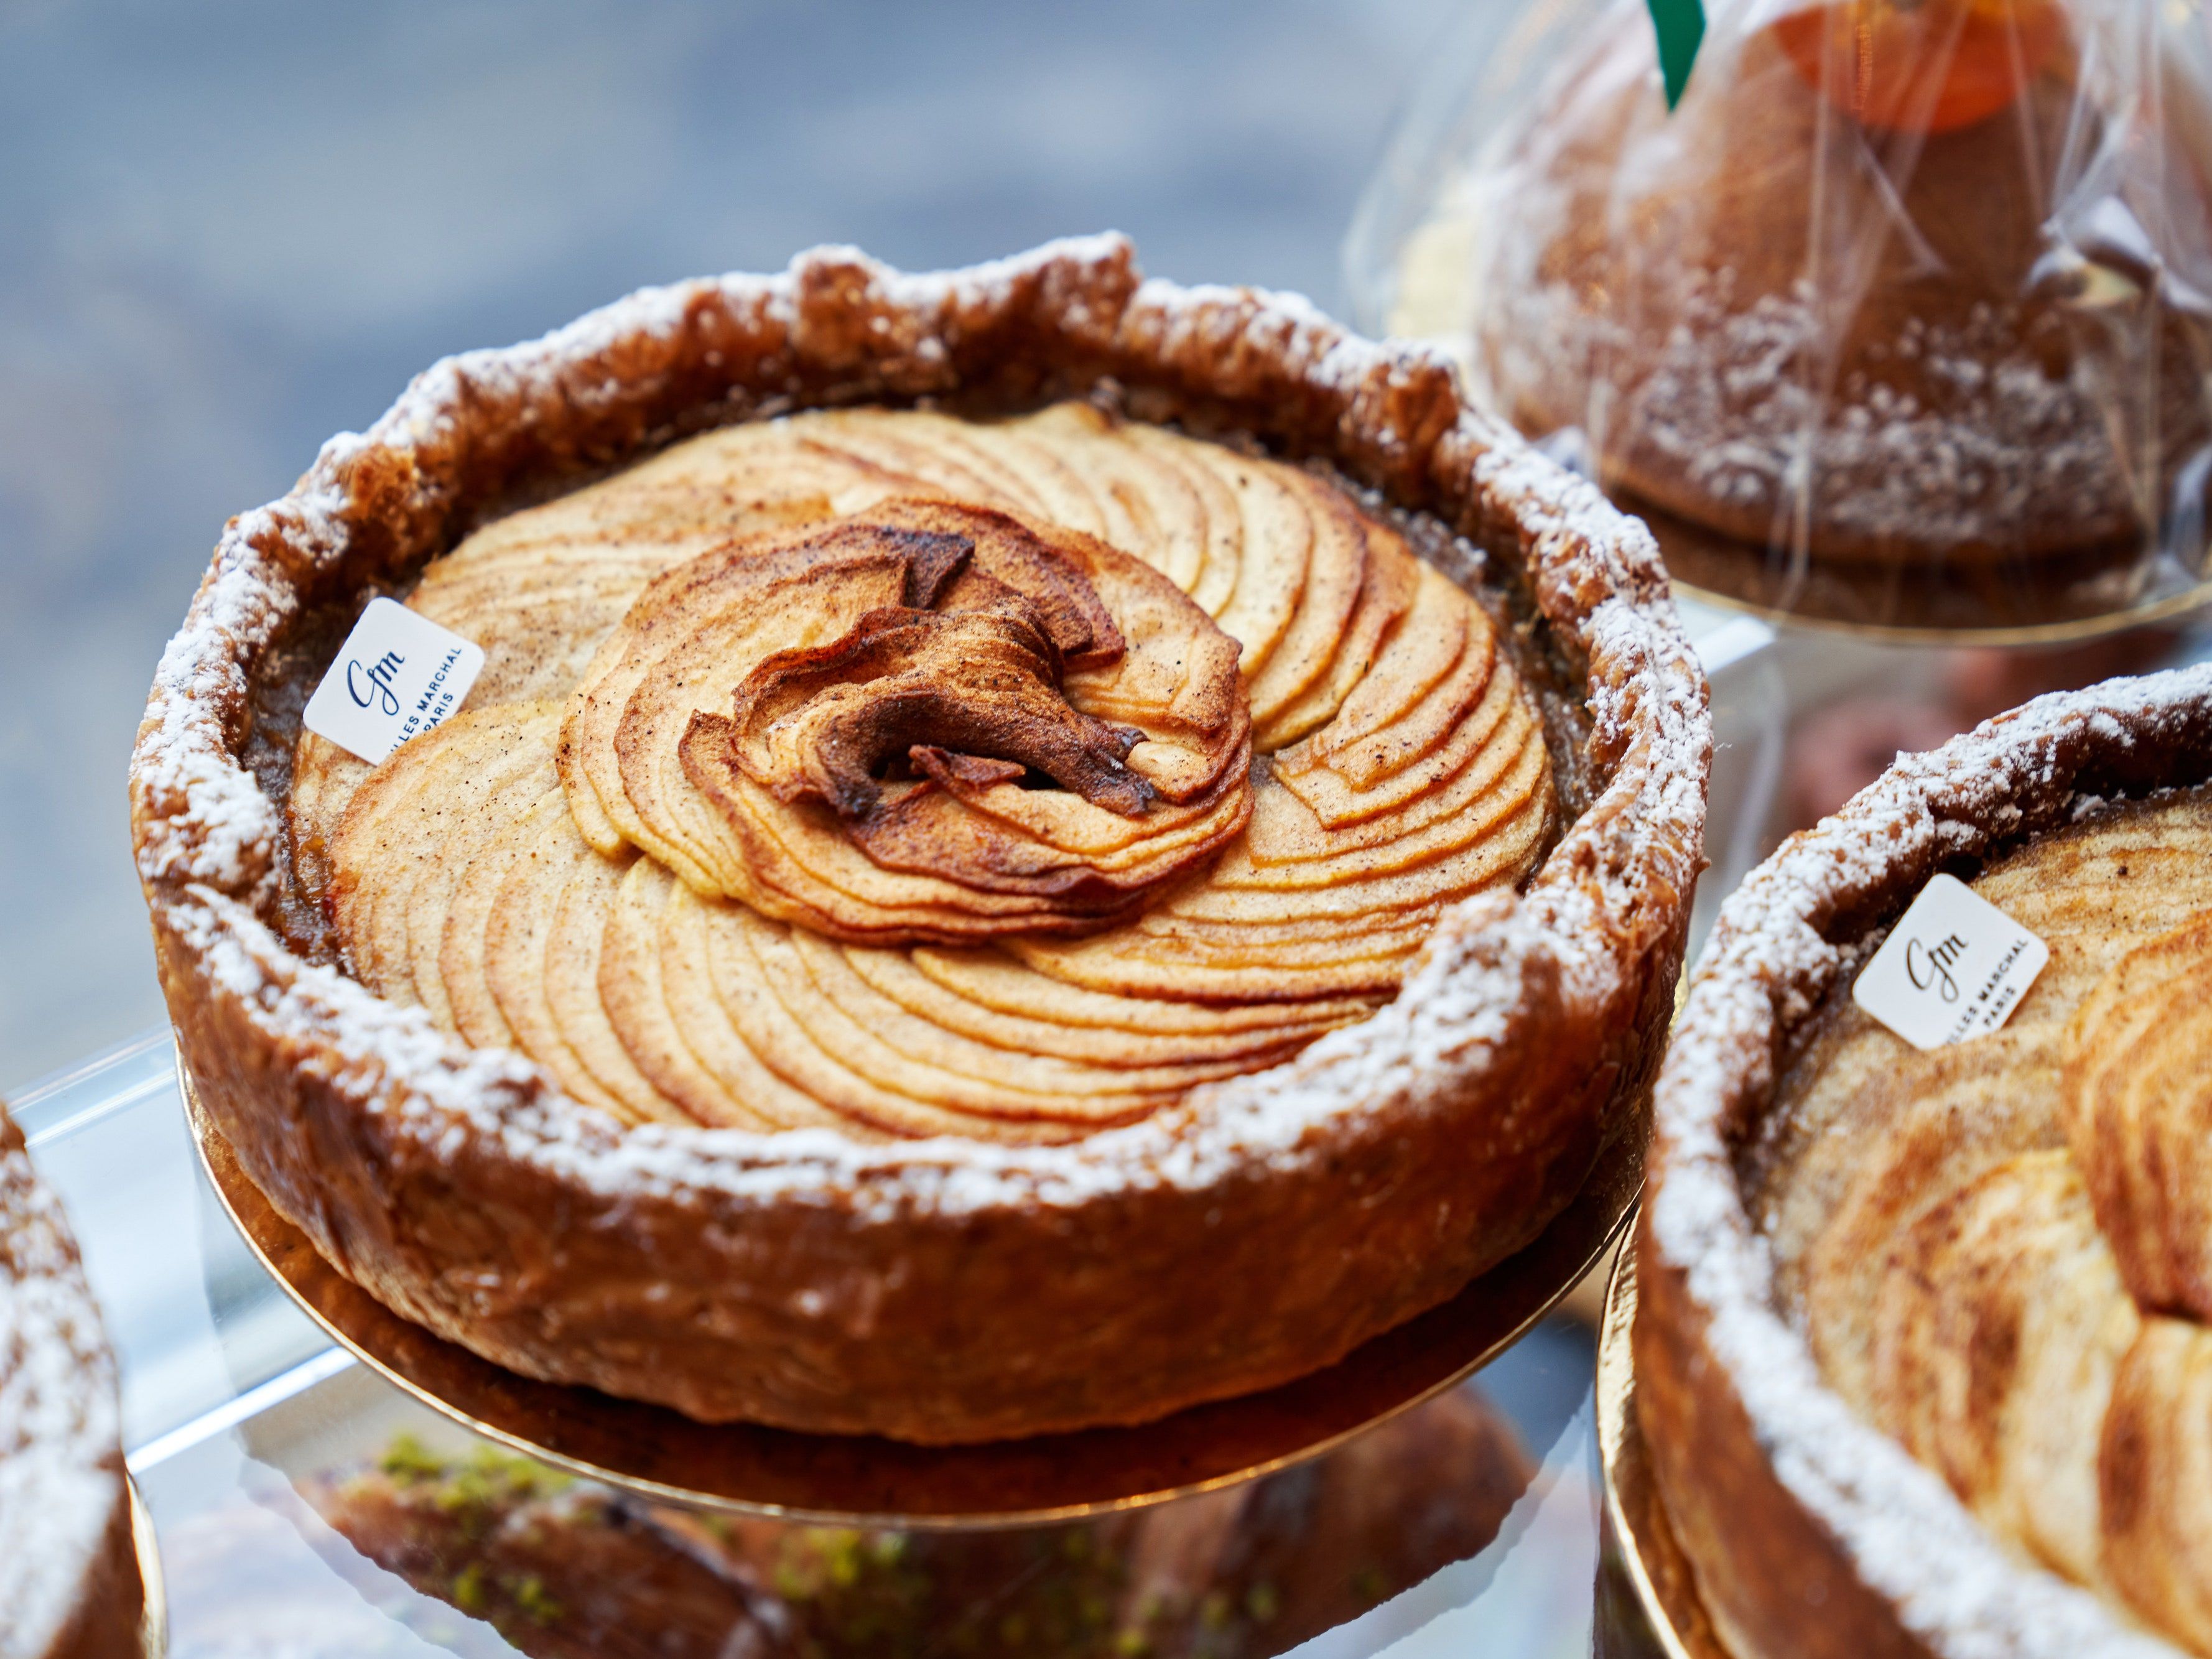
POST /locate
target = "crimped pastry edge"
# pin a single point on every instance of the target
(1812, 1532)
(69, 1575)
(937, 1290)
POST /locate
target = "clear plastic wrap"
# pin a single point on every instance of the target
(1902, 318)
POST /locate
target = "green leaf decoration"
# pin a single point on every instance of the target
(1681, 27)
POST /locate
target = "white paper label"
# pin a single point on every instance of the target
(1954, 967)
(398, 674)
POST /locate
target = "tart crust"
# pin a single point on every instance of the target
(1810, 1531)
(937, 1291)
(69, 1571)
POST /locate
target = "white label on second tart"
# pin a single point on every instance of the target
(1954, 967)
(398, 674)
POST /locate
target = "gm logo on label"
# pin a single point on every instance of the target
(1954, 967)
(398, 676)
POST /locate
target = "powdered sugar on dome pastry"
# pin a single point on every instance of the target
(1794, 928)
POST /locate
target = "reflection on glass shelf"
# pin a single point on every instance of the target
(306, 1508)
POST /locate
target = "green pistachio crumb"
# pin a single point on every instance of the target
(530, 1595)
(409, 1461)
(469, 1588)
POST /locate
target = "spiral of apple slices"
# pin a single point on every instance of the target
(665, 888)
(466, 888)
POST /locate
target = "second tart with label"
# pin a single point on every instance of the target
(1928, 1335)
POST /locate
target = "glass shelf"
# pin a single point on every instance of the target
(264, 1452)
(244, 1425)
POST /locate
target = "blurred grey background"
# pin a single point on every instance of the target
(227, 230)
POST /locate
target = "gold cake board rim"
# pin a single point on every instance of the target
(153, 1589)
(1642, 1543)
(845, 1480)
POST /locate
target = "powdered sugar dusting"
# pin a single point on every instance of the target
(60, 1470)
(1598, 922)
(1767, 968)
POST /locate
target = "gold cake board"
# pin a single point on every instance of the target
(1640, 1546)
(856, 1480)
(154, 1600)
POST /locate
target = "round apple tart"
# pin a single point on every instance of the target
(986, 796)
(1922, 1336)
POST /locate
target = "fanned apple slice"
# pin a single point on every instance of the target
(904, 454)
(1276, 517)
(685, 1045)
(1087, 477)
(373, 868)
(1236, 950)
(793, 861)
(1342, 807)
(465, 943)
(1392, 581)
(1365, 761)
(1177, 672)
(1288, 846)
(1139, 854)
(896, 974)
(1017, 475)
(517, 926)
(1512, 834)
(1427, 644)
(745, 984)
(725, 1033)
(503, 777)
(324, 778)
(876, 1038)
(576, 948)
(1215, 581)
(455, 786)
(999, 982)
(1124, 971)
(1336, 576)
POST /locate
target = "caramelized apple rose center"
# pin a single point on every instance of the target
(924, 721)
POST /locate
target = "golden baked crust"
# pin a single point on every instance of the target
(938, 1290)
(69, 1571)
(1748, 301)
(1893, 1351)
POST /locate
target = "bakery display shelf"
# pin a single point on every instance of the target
(855, 1480)
(1643, 1564)
(242, 1417)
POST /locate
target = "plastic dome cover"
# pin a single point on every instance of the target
(1902, 318)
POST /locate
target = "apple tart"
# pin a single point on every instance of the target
(1975, 1354)
(983, 792)
(68, 1571)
